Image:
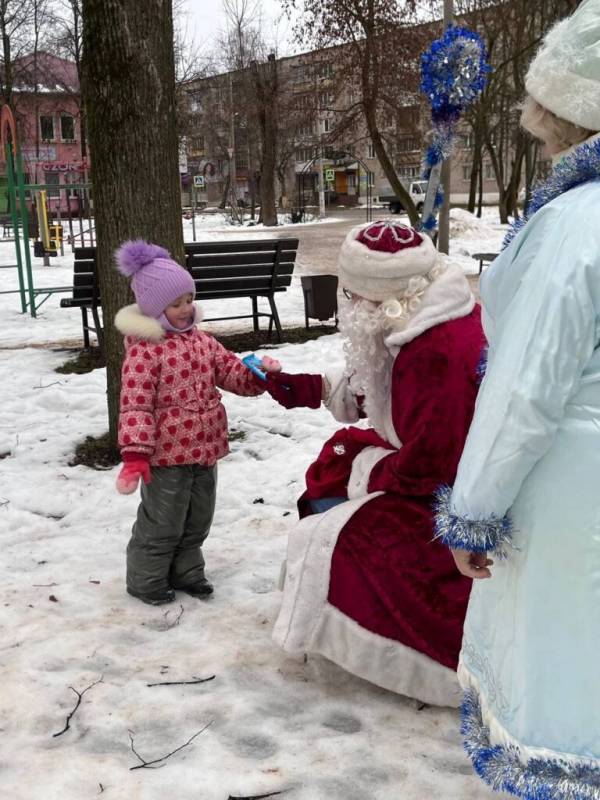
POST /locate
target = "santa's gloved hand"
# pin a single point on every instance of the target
(295, 391)
(135, 466)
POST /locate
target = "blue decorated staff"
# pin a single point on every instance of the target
(453, 75)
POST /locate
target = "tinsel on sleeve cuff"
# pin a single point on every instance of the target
(475, 535)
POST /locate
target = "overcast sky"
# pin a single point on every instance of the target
(206, 19)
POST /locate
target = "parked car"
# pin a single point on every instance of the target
(417, 191)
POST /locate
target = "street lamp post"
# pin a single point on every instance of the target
(321, 181)
(444, 225)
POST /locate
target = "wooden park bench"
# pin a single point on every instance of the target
(221, 270)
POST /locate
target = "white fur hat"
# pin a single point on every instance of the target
(378, 260)
(564, 76)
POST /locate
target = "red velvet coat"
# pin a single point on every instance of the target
(388, 573)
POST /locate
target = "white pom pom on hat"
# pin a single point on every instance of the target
(564, 76)
(377, 260)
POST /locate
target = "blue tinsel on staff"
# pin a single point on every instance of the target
(453, 74)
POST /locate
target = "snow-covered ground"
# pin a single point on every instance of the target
(275, 723)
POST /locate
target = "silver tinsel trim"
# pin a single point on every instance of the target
(477, 536)
(539, 779)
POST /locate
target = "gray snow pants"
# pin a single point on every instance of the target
(173, 520)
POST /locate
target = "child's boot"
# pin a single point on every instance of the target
(201, 588)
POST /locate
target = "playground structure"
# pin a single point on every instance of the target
(29, 203)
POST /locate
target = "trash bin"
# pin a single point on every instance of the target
(320, 297)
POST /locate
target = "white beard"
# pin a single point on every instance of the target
(369, 363)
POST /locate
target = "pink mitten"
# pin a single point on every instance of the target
(270, 364)
(136, 466)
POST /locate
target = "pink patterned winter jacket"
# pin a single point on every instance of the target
(170, 407)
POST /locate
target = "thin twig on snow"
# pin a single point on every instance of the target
(255, 796)
(77, 704)
(150, 764)
(183, 683)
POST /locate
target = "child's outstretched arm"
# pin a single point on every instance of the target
(137, 423)
(234, 376)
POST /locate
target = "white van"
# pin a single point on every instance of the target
(417, 191)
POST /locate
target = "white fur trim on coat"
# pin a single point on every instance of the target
(360, 474)
(376, 275)
(130, 321)
(307, 623)
(385, 662)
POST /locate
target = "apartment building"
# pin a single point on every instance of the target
(320, 126)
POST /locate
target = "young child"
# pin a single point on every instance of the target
(172, 424)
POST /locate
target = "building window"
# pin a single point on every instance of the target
(305, 153)
(302, 102)
(489, 172)
(370, 151)
(325, 100)
(241, 161)
(409, 172)
(466, 173)
(407, 145)
(52, 181)
(67, 128)
(306, 129)
(327, 126)
(371, 179)
(351, 180)
(299, 74)
(47, 128)
(195, 102)
(197, 145)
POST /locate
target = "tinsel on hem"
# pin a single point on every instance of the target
(476, 536)
(501, 768)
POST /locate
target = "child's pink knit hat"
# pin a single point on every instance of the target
(156, 280)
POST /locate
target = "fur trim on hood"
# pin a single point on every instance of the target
(130, 321)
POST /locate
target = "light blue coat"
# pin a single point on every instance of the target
(531, 648)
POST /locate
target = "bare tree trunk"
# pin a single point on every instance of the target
(265, 82)
(476, 166)
(7, 67)
(223, 203)
(129, 92)
(370, 111)
(480, 190)
(531, 156)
